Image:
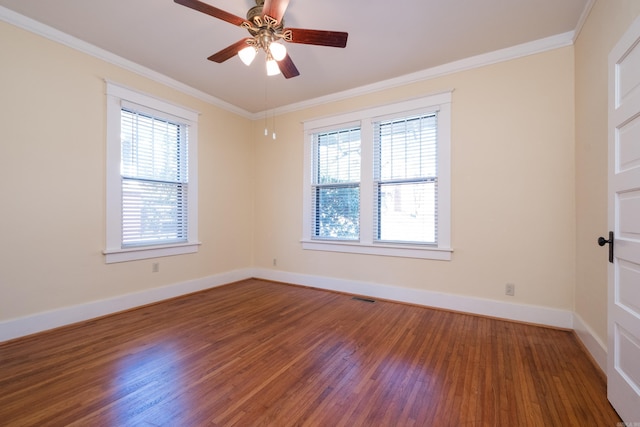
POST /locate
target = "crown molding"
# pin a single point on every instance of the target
(510, 53)
(502, 55)
(583, 18)
(58, 36)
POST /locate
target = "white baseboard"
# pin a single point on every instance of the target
(591, 341)
(14, 328)
(504, 310)
(22, 326)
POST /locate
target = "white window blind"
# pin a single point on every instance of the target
(154, 179)
(336, 184)
(405, 179)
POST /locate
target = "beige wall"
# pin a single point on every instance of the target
(606, 24)
(529, 182)
(52, 178)
(513, 188)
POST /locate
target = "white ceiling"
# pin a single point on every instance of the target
(387, 39)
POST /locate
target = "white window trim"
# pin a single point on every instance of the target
(440, 102)
(114, 252)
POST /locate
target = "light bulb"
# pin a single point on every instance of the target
(247, 54)
(278, 51)
(272, 68)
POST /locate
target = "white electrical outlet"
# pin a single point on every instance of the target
(155, 267)
(275, 262)
(510, 289)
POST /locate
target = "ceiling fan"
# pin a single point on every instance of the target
(264, 23)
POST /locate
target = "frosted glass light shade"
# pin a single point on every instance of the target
(247, 55)
(272, 68)
(278, 51)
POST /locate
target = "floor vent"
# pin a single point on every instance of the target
(364, 299)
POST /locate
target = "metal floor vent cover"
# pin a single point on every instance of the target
(364, 299)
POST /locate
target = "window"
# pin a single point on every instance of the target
(151, 187)
(379, 180)
(336, 184)
(405, 179)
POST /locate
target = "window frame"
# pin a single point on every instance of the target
(367, 244)
(119, 97)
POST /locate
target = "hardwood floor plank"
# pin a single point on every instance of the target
(267, 354)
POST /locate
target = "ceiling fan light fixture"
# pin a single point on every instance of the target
(247, 55)
(278, 51)
(272, 67)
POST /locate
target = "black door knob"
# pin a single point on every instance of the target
(602, 241)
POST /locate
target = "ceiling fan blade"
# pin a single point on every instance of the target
(229, 52)
(288, 68)
(275, 8)
(316, 37)
(213, 11)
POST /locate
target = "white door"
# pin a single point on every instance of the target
(623, 364)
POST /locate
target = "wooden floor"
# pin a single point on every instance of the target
(257, 353)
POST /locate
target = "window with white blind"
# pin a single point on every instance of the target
(151, 188)
(336, 184)
(405, 179)
(379, 180)
(155, 181)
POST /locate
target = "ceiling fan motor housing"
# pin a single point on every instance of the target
(255, 17)
(253, 12)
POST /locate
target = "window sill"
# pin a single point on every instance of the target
(402, 251)
(146, 252)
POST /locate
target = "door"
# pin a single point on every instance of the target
(623, 364)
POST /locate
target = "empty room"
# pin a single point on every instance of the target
(316, 213)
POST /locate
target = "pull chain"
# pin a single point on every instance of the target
(274, 124)
(266, 113)
(266, 117)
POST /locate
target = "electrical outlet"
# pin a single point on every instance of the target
(275, 262)
(155, 267)
(510, 289)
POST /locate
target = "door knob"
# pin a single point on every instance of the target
(602, 241)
